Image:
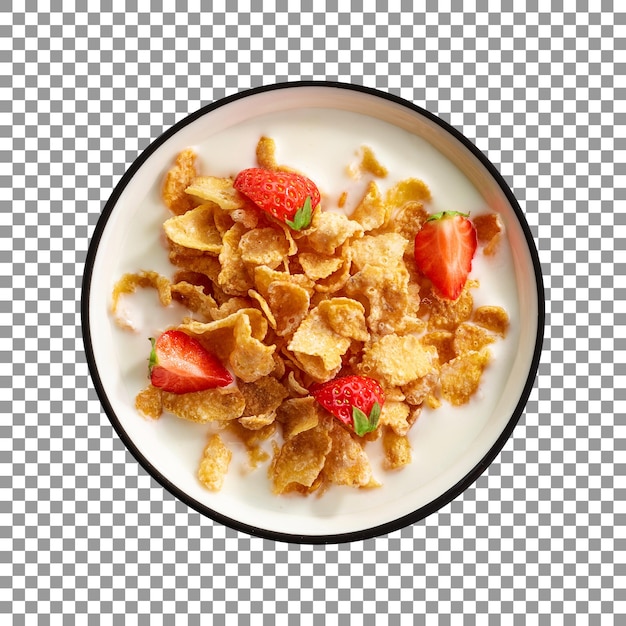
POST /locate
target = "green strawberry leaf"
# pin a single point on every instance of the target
(302, 218)
(363, 424)
(442, 214)
(152, 361)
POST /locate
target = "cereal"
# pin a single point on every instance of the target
(177, 180)
(346, 463)
(264, 246)
(284, 310)
(149, 403)
(397, 449)
(371, 212)
(214, 464)
(212, 405)
(493, 318)
(195, 230)
(217, 190)
(317, 347)
(297, 415)
(300, 459)
(460, 377)
(397, 361)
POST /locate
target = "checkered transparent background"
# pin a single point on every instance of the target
(540, 538)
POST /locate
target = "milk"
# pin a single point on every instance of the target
(321, 143)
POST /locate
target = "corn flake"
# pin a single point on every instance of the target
(211, 405)
(346, 463)
(371, 212)
(460, 377)
(195, 230)
(470, 338)
(317, 347)
(217, 190)
(300, 460)
(264, 246)
(177, 180)
(214, 464)
(395, 415)
(492, 318)
(297, 415)
(346, 317)
(328, 231)
(148, 402)
(397, 449)
(397, 361)
(289, 304)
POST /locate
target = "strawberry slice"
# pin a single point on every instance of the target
(355, 401)
(444, 249)
(287, 196)
(180, 364)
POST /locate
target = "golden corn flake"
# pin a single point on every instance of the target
(195, 230)
(289, 304)
(297, 415)
(316, 265)
(422, 389)
(338, 279)
(233, 277)
(443, 341)
(217, 190)
(211, 405)
(177, 179)
(250, 359)
(257, 422)
(397, 449)
(265, 307)
(264, 246)
(214, 463)
(492, 318)
(266, 153)
(395, 415)
(262, 396)
(346, 463)
(205, 264)
(470, 338)
(460, 377)
(194, 298)
(385, 295)
(330, 230)
(409, 220)
(129, 283)
(369, 163)
(295, 386)
(264, 276)
(346, 317)
(317, 347)
(448, 314)
(407, 190)
(386, 250)
(397, 361)
(252, 440)
(300, 459)
(148, 402)
(371, 212)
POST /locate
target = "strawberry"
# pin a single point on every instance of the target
(355, 401)
(289, 197)
(444, 249)
(180, 364)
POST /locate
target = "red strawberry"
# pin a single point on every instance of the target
(354, 400)
(444, 249)
(180, 364)
(289, 197)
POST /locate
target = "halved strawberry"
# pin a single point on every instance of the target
(354, 400)
(180, 364)
(444, 249)
(288, 196)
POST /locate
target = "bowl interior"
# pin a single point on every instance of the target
(317, 128)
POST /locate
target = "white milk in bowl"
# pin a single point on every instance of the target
(325, 145)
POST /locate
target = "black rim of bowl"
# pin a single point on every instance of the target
(368, 533)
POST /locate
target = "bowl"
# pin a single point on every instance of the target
(318, 126)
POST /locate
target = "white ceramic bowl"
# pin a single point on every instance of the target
(318, 126)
